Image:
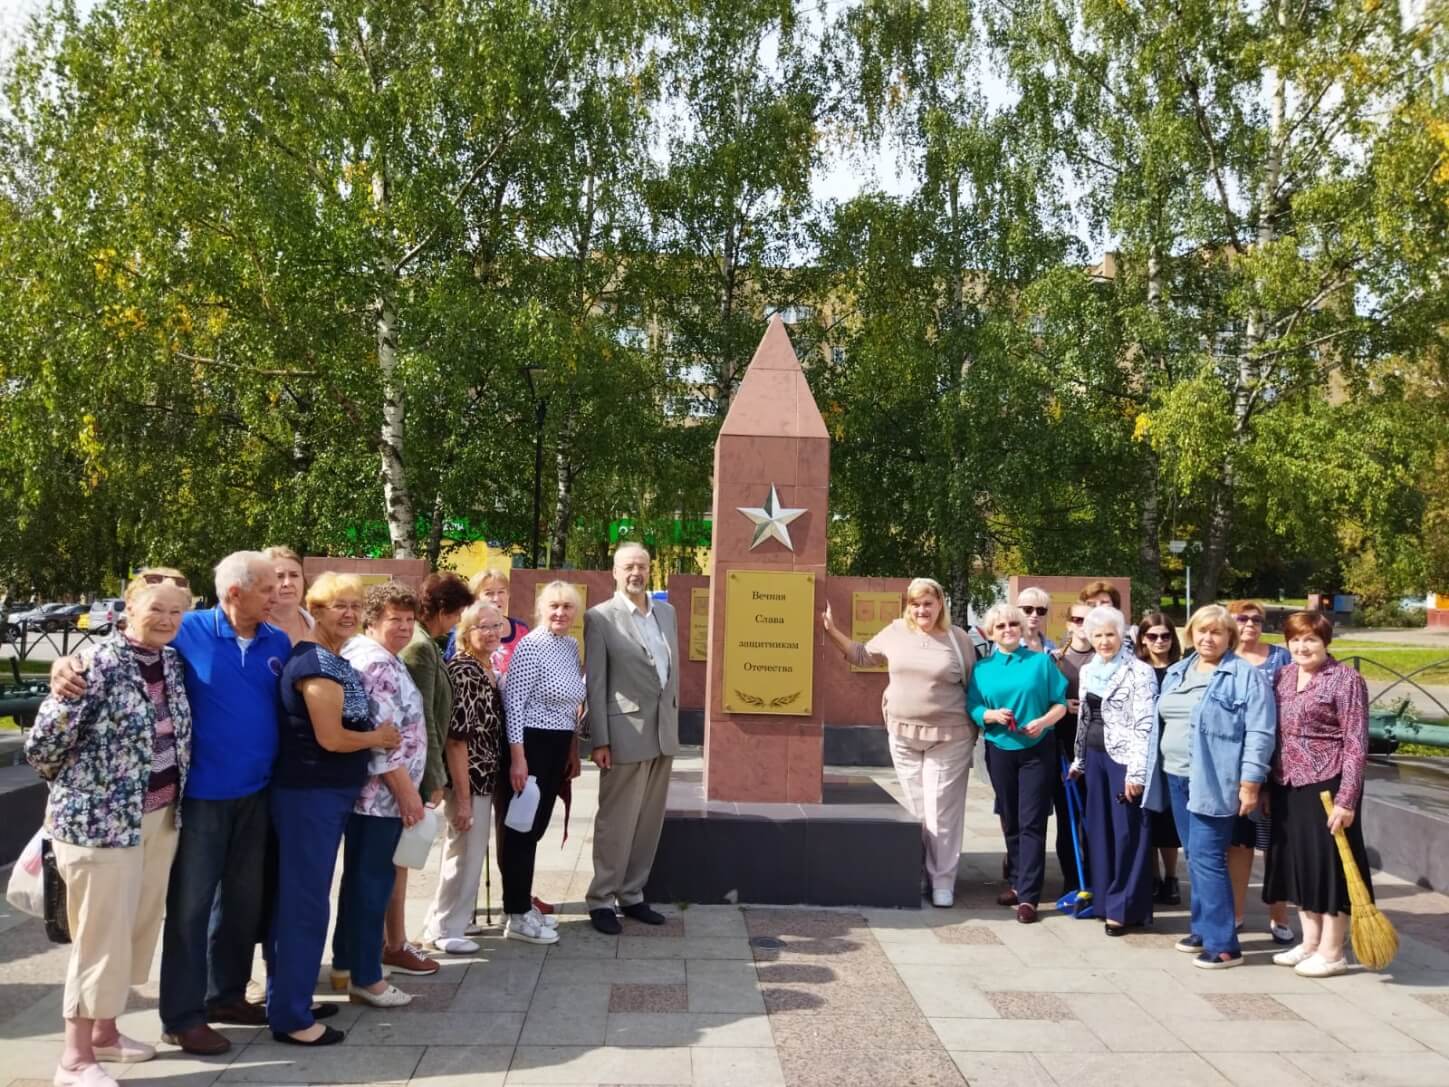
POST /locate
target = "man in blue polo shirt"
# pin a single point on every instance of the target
(232, 658)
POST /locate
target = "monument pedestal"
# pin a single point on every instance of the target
(857, 847)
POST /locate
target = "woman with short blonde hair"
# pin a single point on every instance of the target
(931, 737)
(542, 698)
(117, 759)
(1219, 725)
(1035, 605)
(288, 614)
(1017, 696)
(474, 744)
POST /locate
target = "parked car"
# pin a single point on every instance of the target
(104, 613)
(53, 617)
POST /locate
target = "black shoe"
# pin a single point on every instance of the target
(329, 1036)
(642, 911)
(606, 922)
(1171, 894)
(324, 1011)
(239, 1014)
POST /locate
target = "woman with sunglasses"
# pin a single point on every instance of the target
(1270, 660)
(1035, 604)
(1071, 659)
(117, 759)
(1158, 646)
(1016, 696)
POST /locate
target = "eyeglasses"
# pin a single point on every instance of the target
(175, 579)
(346, 605)
(1076, 620)
(1034, 609)
(1153, 636)
(492, 626)
(1013, 624)
(1244, 620)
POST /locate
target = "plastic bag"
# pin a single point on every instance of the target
(26, 890)
(523, 807)
(417, 841)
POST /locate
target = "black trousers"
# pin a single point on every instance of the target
(547, 753)
(1024, 783)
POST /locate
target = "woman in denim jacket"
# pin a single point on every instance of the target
(1219, 727)
(117, 760)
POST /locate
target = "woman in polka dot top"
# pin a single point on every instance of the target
(541, 700)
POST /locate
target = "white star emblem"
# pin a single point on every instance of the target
(770, 520)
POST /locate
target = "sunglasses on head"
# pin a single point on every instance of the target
(1249, 617)
(1034, 609)
(175, 579)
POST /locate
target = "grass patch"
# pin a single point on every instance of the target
(7, 724)
(1403, 659)
(1422, 749)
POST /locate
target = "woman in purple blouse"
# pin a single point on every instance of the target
(1322, 746)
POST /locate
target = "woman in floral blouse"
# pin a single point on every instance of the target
(116, 759)
(1322, 746)
(322, 761)
(475, 738)
(390, 799)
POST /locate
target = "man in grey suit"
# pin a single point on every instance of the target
(631, 646)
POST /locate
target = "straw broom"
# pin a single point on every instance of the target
(1375, 943)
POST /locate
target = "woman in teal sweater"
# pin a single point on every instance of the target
(1016, 695)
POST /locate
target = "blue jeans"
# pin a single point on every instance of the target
(1207, 838)
(213, 907)
(309, 826)
(367, 879)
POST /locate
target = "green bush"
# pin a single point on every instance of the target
(1389, 614)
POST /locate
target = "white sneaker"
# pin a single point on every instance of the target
(474, 930)
(125, 1051)
(391, 997)
(547, 920)
(1316, 966)
(456, 945)
(529, 927)
(1292, 957)
(943, 897)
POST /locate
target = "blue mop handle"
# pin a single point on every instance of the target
(1072, 815)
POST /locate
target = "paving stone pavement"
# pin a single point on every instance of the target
(776, 997)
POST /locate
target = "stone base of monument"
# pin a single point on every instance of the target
(858, 847)
(1406, 819)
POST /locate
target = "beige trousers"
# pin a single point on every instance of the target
(626, 830)
(933, 776)
(464, 855)
(115, 900)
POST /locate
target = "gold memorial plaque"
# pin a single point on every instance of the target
(870, 613)
(699, 624)
(769, 636)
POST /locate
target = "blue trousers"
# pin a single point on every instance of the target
(367, 879)
(1119, 843)
(1207, 838)
(1025, 780)
(309, 825)
(213, 907)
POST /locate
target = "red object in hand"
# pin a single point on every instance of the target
(1010, 719)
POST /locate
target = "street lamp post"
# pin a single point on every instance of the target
(1177, 547)
(534, 374)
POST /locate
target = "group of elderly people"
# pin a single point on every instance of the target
(1221, 749)
(209, 765)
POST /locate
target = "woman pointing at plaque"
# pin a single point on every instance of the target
(931, 737)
